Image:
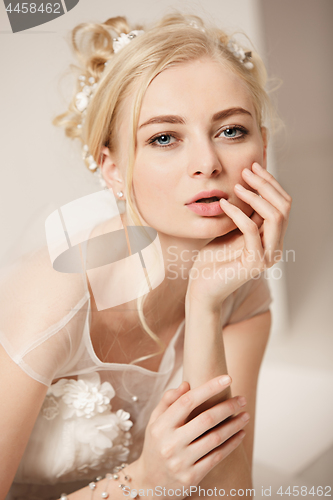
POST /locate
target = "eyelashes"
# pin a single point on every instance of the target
(243, 132)
(164, 140)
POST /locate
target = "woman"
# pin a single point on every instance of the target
(172, 119)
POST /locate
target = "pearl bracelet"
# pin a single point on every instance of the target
(109, 476)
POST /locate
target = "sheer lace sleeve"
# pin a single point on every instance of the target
(41, 316)
(252, 298)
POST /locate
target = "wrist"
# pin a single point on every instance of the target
(202, 305)
(138, 480)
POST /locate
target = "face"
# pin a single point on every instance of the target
(197, 131)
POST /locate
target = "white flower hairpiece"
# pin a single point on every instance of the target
(240, 54)
(232, 46)
(124, 39)
(83, 97)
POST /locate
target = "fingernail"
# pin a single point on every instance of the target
(224, 200)
(224, 380)
(245, 417)
(240, 187)
(248, 172)
(257, 166)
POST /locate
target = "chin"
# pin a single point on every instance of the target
(211, 227)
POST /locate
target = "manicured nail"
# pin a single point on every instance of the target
(248, 172)
(240, 187)
(256, 166)
(223, 200)
(225, 380)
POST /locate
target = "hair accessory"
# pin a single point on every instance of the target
(240, 54)
(88, 89)
(195, 25)
(124, 39)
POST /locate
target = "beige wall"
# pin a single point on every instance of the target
(299, 42)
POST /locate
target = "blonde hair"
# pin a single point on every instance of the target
(175, 39)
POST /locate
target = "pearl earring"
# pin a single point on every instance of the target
(120, 194)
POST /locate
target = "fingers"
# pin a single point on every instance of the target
(168, 399)
(217, 437)
(208, 420)
(179, 411)
(257, 219)
(205, 464)
(272, 200)
(258, 169)
(273, 204)
(248, 227)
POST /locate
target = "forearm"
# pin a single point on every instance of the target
(204, 356)
(204, 359)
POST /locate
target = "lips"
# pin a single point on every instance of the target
(203, 195)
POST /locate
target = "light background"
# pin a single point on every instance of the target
(42, 170)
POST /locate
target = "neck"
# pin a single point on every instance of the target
(165, 304)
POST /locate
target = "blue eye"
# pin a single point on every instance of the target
(235, 132)
(163, 139)
(230, 132)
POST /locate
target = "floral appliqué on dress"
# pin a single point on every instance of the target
(95, 436)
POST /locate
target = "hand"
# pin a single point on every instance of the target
(242, 254)
(178, 453)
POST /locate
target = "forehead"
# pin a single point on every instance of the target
(195, 89)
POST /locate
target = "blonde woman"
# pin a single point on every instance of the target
(173, 120)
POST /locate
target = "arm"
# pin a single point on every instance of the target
(242, 346)
(21, 399)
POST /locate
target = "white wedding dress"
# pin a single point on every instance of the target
(95, 418)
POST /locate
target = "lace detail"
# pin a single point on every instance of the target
(50, 408)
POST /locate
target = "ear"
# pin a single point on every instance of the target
(111, 172)
(264, 135)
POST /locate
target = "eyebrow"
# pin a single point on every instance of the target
(220, 115)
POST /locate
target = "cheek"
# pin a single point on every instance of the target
(243, 157)
(151, 184)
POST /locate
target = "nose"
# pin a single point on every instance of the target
(203, 159)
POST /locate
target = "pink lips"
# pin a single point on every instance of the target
(207, 209)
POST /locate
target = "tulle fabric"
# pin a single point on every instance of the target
(97, 420)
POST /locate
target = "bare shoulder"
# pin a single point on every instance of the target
(31, 288)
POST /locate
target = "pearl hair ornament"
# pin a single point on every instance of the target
(83, 97)
(240, 54)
